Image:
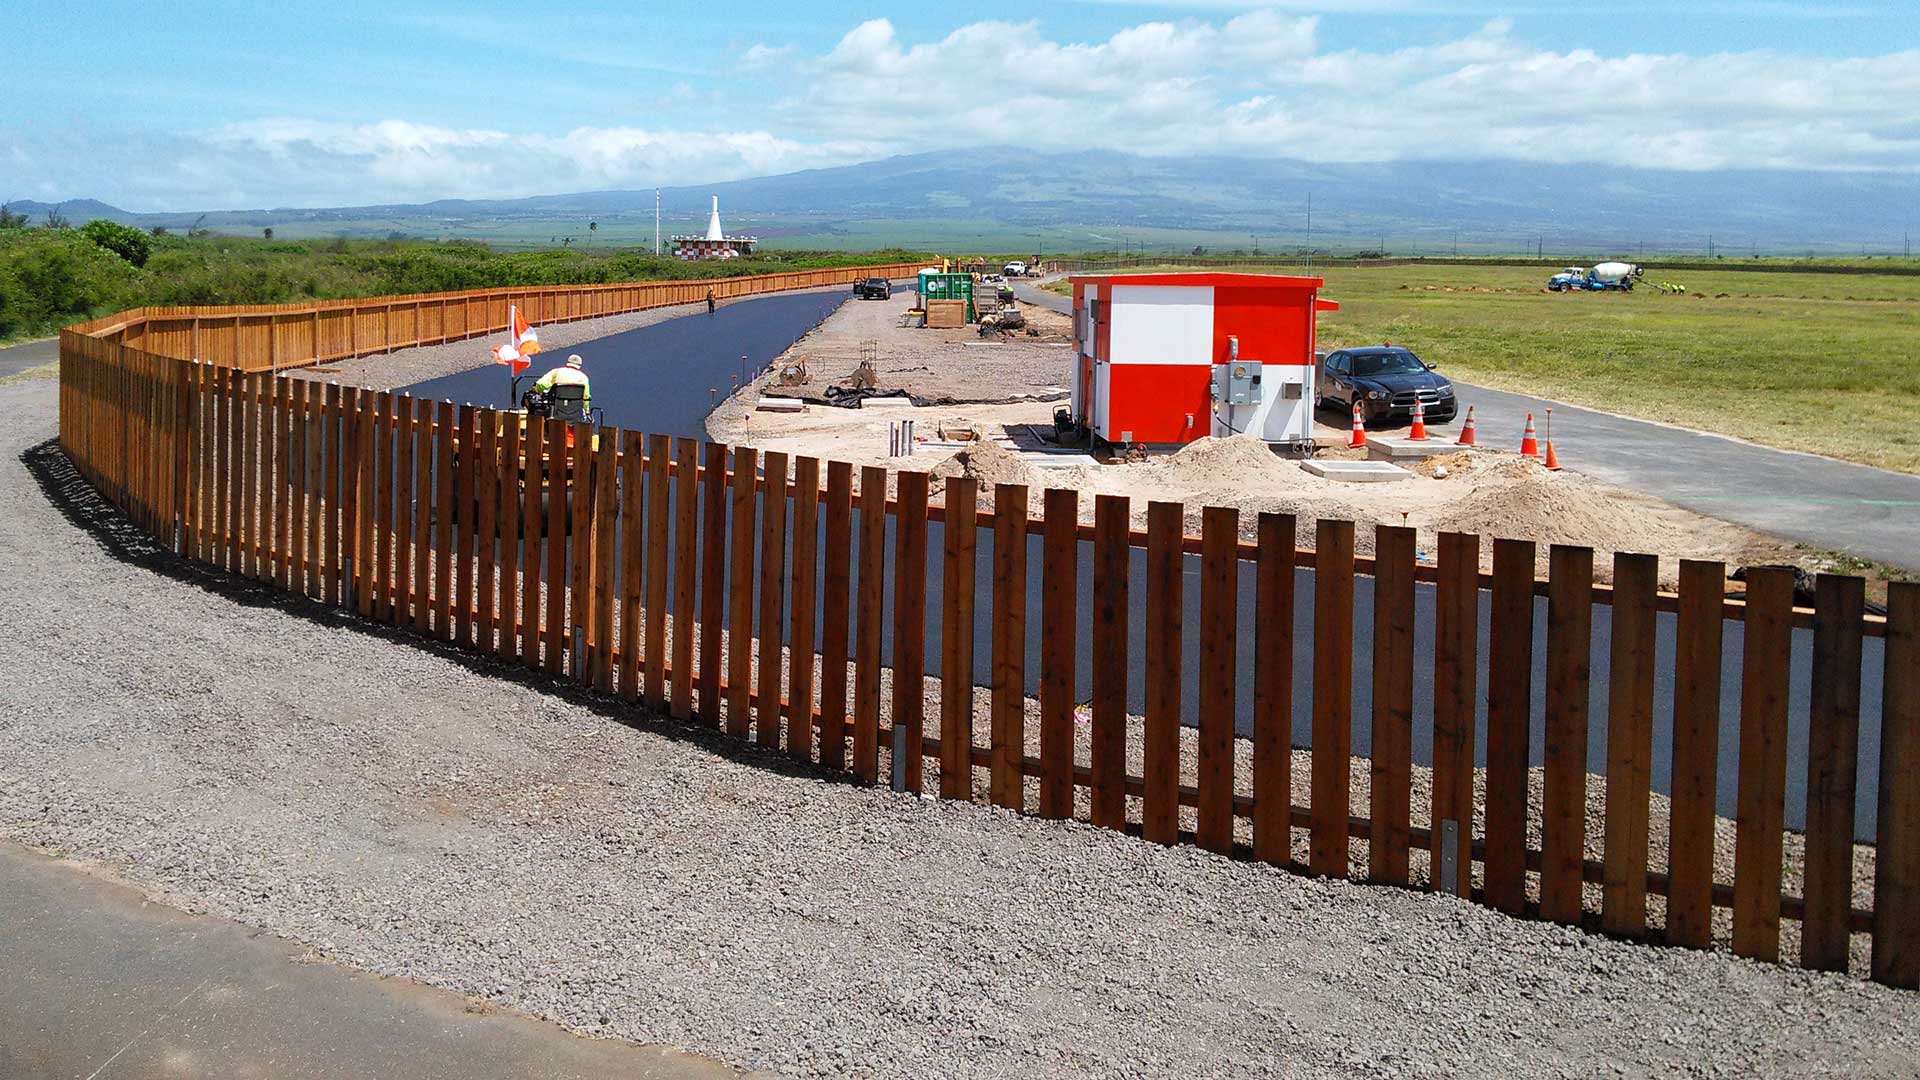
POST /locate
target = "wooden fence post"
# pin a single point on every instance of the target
(508, 462)
(1758, 837)
(1219, 574)
(1564, 790)
(1060, 601)
(686, 572)
(910, 618)
(1456, 620)
(1332, 697)
(836, 595)
(559, 490)
(866, 693)
(658, 464)
(773, 565)
(1390, 802)
(633, 556)
(1623, 908)
(1509, 705)
(801, 585)
(712, 580)
(740, 595)
(1160, 746)
(1896, 870)
(1698, 629)
(1833, 751)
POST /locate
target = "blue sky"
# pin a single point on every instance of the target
(194, 105)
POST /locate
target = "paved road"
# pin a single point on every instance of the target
(15, 359)
(103, 983)
(1819, 501)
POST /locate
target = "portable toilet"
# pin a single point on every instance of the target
(1164, 359)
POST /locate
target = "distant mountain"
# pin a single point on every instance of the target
(1502, 204)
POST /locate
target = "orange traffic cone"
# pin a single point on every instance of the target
(1553, 459)
(1466, 430)
(1418, 432)
(1359, 437)
(1529, 442)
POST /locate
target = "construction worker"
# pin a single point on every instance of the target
(709, 301)
(569, 374)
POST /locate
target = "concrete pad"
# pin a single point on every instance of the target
(780, 404)
(1401, 448)
(886, 403)
(1357, 472)
(1057, 461)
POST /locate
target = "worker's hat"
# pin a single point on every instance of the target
(575, 361)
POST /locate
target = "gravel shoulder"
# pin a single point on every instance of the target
(412, 811)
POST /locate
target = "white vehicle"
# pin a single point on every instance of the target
(1015, 268)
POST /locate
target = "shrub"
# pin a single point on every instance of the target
(123, 240)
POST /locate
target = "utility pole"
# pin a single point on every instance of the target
(656, 221)
(1456, 241)
(1309, 231)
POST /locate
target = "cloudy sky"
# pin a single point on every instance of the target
(197, 106)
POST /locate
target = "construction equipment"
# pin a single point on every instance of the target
(793, 373)
(1604, 277)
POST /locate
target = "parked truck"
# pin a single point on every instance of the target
(1604, 277)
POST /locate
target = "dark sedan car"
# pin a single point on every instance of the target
(1386, 380)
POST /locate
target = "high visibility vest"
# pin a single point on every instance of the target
(566, 376)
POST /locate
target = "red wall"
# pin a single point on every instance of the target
(1153, 400)
(1275, 326)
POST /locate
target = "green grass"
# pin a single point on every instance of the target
(1825, 363)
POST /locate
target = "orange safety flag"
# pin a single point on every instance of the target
(524, 339)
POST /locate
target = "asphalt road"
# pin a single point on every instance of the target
(103, 983)
(15, 359)
(1836, 505)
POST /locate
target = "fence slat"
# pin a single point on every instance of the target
(1564, 790)
(773, 566)
(383, 507)
(486, 493)
(283, 561)
(578, 628)
(910, 618)
(299, 551)
(866, 670)
(1059, 599)
(1390, 796)
(1219, 573)
(1009, 700)
(1160, 747)
(1623, 894)
(712, 580)
(228, 522)
(422, 513)
(1107, 739)
(800, 635)
(837, 585)
(686, 571)
(1332, 697)
(248, 415)
(404, 510)
(532, 527)
(508, 465)
(1833, 751)
(318, 500)
(1509, 703)
(633, 543)
(1758, 839)
(559, 490)
(1696, 749)
(366, 461)
(659, 465)
(1456, 617)
(1896, 868)
(603, 586)
(956, 638)
(740, 596)
(443, 488)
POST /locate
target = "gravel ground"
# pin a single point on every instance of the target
(411, 811)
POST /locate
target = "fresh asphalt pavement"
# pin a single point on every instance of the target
(1818, 501)
(15, 359)
(104, 983)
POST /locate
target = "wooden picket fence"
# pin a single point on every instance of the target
(629, 562)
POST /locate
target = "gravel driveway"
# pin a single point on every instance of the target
(411, 811)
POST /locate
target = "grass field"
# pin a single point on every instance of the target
(1827, 363)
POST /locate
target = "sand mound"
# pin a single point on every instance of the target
(988, 462)
(1513, 497)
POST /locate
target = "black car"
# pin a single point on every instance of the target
(873, 288)
(1386, 380)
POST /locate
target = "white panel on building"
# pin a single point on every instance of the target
(1101, 396)
(1162, 324)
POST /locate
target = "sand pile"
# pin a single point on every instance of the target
(1513, 497)
(988, 462)
(1208, 462)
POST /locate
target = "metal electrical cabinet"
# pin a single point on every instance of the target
(1237, 383)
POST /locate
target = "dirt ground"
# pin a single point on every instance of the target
(1485, 492)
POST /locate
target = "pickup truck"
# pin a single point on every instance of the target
(873, 288)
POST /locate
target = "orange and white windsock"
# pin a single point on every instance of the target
(525, 340)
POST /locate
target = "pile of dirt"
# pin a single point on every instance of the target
(1209, 462)
(988, 462)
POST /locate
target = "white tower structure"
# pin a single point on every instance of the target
(714, 231)
(716, 244)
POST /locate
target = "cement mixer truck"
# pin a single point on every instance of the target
(1604, 277)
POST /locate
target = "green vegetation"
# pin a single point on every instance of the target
(52, 277)
(1806, 361)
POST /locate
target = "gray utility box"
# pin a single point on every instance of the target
(1237, 383)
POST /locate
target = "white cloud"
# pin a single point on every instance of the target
(1258, 83)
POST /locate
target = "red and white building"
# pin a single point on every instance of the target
(1168, 358)
(716, 244)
